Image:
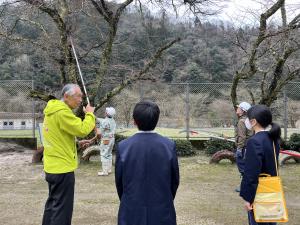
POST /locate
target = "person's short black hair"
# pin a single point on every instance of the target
(145, 115)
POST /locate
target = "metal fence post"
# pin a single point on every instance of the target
(141, 92)
(285, 119)
(33, 112)
(187, 110)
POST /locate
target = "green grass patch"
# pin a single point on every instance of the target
(197, 134)
(21, 134)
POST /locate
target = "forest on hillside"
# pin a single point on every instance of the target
(206, 52)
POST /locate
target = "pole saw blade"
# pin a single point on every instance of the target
(79, 70)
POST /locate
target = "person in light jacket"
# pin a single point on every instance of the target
(107, 130)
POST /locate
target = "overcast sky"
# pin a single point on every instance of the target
(238, 12)
(246, 10)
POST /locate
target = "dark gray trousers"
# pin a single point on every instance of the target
(59, 205)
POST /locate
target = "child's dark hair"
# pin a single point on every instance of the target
(263, 116)
(145, 115)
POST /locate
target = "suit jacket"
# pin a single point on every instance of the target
(259, 159)
(147, 178)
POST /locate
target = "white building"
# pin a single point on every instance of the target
(16, 121)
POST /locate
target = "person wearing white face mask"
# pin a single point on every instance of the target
(241, 136)
(259, 155)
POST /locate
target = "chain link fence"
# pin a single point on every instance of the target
(186, 109)
(18, 115)
(206, 107)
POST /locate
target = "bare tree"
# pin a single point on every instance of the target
(269, 57)
(112, 17)
(125, 108)
(63, 14)
(199, 8)
(141, 75)
(111, 14)
(57, 47)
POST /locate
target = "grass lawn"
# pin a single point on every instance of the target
(205, 197)
(204, 133)
(17, 133)
(199, 133)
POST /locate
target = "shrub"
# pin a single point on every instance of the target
(118, 138)
(184, 147)
(294, 142)
(285, 145)
(214, 145)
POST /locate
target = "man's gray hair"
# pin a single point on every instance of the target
(69, 89)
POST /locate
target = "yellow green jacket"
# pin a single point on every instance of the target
(60, 129)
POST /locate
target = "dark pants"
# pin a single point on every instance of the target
(59, 205)
(240, 160)
(251, 220)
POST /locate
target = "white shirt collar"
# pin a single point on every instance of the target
(261, 131)
(146, 132)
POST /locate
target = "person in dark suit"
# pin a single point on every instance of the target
(259, 154)
(146, 172)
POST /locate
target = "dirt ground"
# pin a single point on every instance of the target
(206, 195)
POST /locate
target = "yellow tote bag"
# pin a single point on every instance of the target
(269, 204)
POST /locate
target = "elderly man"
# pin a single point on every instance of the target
(60, 129)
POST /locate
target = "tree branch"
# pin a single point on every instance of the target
(20, 39)
(122, 7)
(90, 49)
(103, 11)
(40, 26)
(70, 74)
(41, 95)
(283, 15)
(262, 31)
(252, 69)
(136, 77)
(239, 44)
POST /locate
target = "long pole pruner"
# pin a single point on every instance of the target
(79, 70)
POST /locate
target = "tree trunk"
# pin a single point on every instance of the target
(105, 58)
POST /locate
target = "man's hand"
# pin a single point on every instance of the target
(98, 134)
(84, 143)
(248, 206)
(88, 108)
